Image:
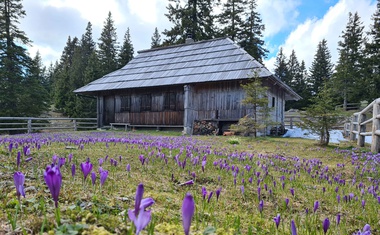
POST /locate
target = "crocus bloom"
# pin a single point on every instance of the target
(204, 193)
(73, 170)
(70, 157)
(209, 196)
(293, 228)
(337, 219)
(139, 216)
(316, 205)
(19, 179)
(29, 159)
(326, 225)
(128, 168)
(53, 179)
(101, 160)
(286, 201)
(103, 176)
(363, 203)
(93, 177)
(292, 191)
(218, 193)
(188, 207)
(86, 168)
(277, 220)
(261, 206)
(190, 182)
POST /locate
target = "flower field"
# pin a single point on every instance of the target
(140, 182)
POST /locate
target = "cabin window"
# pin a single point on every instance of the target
(125, 103)
(146, 102)
(273, 101)
(170, 101)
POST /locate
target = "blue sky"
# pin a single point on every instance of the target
(292, 24)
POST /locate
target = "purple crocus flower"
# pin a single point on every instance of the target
(292, 191)
(19, 179)
(73, 170)
(326, 225)
(204, 193)
(286, 202)
(101, 161)
(293, 228)
(190, 182)
(70, 157)
(363, 203)
(10, 147)
(209, 196)
(61, 161)
(93, 177)
(128, 167)
(188, 207)
(316, 206)
(218, 193)
(261, 206)
(277, 220)
(86, 168)
(103, 176)
(242, 189)
(139, 216)
(54, 159)
(53, 180)
(337, 219)
(29, 159)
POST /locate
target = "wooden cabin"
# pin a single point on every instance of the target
(176, 85)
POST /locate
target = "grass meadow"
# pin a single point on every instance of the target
(240, 185)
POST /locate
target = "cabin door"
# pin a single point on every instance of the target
(109, 110)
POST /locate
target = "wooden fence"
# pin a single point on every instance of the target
(368, 118)
(293, 118)
(32, 124)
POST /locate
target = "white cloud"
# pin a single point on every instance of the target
(277, 15)
(146, 10)
(95, 11)
(305, 37)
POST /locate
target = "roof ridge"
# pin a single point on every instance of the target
(181, 45)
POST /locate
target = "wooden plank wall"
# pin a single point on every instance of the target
(157, 115)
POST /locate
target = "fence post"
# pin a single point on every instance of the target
(352, 134)
(29, 126)
(375, 145)
(361, 128)
(291, 122)
(75, 125)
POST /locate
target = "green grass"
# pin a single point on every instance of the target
(93, 210)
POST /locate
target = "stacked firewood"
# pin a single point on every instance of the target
(205, 128)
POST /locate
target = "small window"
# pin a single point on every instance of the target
(146, 102)
(125, 103)
(273, 102)
(170, 101)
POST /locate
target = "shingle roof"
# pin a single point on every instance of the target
(205, 61)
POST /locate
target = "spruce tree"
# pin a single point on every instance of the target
(195, 18)
(321, 68)
(250, 37)
(281, 67)
(232, 18)
(14, 60)
(108, 48)
(126, 51)
(348, 79)
(156, 39)
(372, 50)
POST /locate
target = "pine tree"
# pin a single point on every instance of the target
(372, 50)
(293, 69)
(250, 37)
(348, 79)
(232, 18)
(300, 86)
(14, 60)
(108, 48)
(126, 51)
(321, 68)
(281, 67)
(256, 97)
(35, 99)
(156, 39)
(322, 115)
(195, 18)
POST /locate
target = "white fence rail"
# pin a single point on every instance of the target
(32, 124)
(365, 123)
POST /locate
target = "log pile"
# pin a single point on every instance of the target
(205, 128)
